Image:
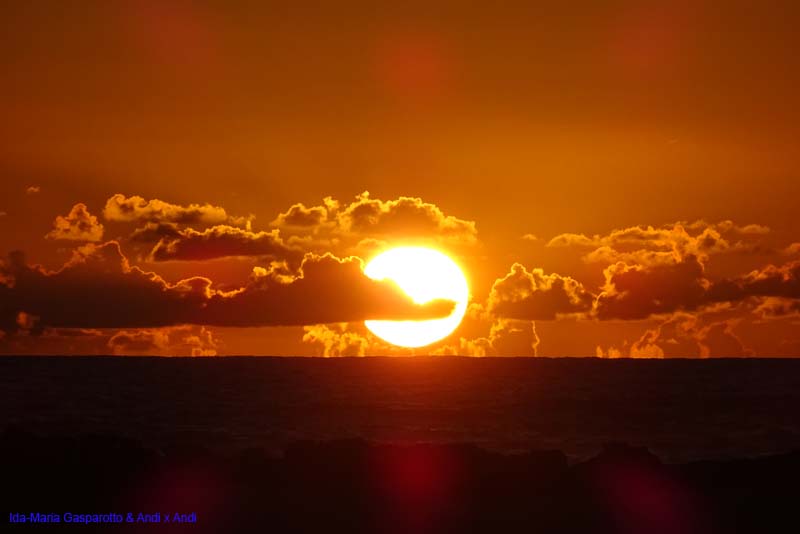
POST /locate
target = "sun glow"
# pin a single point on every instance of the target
(424, 274)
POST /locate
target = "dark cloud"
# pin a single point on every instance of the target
(120, 208)
(349, 339)
(404, 216)
(509, 337)
(357, 227)
(173, 341)
(485, 335)
(55, 341)
(337, 340)
(636, 291)
(648, 245)
(729, 226)
(777, 308)
(217, 242)
(184, 340)
(154, 232)
(639, 291)
(686, 335)
(329, 290)
(78, 225)
(535, 295)
(302, 217)
(334, 224)
(771, 281)
(98, 288)
(675, 337)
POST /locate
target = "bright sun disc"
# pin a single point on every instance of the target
(424, 274)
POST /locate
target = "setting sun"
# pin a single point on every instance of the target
(424, 274)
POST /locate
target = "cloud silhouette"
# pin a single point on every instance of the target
(648, 245)
(153, 232)
(506, 337)
(357, 227)
(184, 340)
(98, 288)
(300, 216)
(637, 291)
(120, 208)
(534, 295)
(770, 281)
(337, 340)
(215, 242)
(333, 223)
(78, 225)
(173, 341)
(686, 335)
(777, 308)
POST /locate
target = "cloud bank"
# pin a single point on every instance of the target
(98, 288)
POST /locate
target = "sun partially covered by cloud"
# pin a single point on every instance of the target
(306, 271)
(481, 334)
(98, 288)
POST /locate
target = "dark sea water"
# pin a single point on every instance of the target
(681, 409)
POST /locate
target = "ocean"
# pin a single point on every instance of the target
(681, 409)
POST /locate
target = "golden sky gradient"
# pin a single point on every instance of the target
(619, 180)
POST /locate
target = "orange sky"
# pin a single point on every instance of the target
(663, 133)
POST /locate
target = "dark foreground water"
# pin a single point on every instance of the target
(680, 409)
